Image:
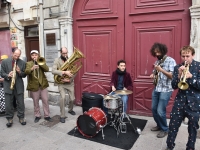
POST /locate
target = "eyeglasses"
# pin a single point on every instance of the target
(64, 53)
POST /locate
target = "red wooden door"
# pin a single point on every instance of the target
(99, 34)
(109, 30)
(147, 22)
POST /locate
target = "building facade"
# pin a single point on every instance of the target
(104, 31)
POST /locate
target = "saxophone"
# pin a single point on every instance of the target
(13, 77)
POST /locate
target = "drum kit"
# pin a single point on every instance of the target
(94, 120)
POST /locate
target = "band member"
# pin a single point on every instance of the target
(121, 80)
(37, 85)
(12, 70)
(186, 77)
(163, 69)
(66, 85)
(2, 95)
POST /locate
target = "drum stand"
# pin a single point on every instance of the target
(122, 124)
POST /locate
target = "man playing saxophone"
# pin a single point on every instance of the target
(186, 78)
(65, 85)
(15, 88)
(37, 85)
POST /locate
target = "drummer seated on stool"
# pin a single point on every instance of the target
(121, 80)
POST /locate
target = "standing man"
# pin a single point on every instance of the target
(187, 101)
(66, 85)
(121, 80)
(163, 69)
(7, 72)
(37, 85)
(2, 95)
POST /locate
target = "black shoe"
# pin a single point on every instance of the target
(48, 119)
(37, 119)
(22, 121)
(10, 122)
(62, 120)
(72, 112)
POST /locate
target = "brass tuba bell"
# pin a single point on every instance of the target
(70, 65)
(183, 85)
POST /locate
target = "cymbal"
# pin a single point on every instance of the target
(108, 97)
(123, 92)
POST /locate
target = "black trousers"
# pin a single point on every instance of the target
(9, 105)
(176, 118)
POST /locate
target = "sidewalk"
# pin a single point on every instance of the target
(34, 136)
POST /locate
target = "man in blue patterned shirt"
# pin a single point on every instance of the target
(162, 75)
(187, 101)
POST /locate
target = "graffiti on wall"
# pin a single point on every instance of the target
(13, 37)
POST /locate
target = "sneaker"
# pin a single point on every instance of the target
(162, 134)
(37, 119)
(22, 121)
(72, 112)
(48, 119)
(155, 128)
(10, 122)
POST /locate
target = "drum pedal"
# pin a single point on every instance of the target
(123, 127)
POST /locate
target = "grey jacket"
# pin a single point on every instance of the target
(6, 68)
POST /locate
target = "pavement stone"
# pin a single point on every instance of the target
(34, 136)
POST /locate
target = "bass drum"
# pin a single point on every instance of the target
(91, 122)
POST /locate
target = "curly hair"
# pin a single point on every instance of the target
(187, 49)
(121, 61)
(161, 47)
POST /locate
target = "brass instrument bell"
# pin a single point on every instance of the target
(183, 85)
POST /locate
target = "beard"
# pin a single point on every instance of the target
(159, 57)
(63, 58)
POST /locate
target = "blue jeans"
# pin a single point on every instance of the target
(159, 104)
(124, 100)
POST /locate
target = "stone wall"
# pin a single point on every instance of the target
(195, 28)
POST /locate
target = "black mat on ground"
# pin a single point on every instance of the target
(123, 141)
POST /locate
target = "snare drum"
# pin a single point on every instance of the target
(113, 103)
(91, 122)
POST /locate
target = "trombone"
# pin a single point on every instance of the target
(183, 85)
(40, 61)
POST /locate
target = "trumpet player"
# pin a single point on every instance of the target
(37, 85)
(12, 70)
(162, 75)
(187, 101)
(66, 85)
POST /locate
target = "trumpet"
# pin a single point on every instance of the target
(183, 85)
(40, 61)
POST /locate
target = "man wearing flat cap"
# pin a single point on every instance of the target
(37, 85)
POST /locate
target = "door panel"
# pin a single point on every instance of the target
(147, 22)
(31, 44)
(99, 34)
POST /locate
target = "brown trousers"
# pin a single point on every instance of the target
(70, 90)
(43, 94)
